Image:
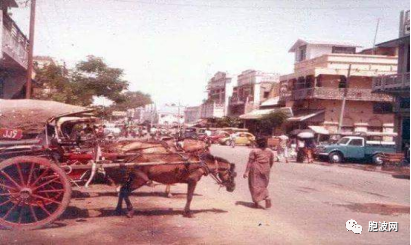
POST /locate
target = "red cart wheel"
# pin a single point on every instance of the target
(33, 192)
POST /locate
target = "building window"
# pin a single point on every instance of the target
(343, 50)
(302, 52)
(382, 108)
(266, 94)
(343, 82)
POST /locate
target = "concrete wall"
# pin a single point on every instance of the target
(329, 81)
(192, 114)
(13, 83)
(314, 51)
(170, 119)
(358, 113)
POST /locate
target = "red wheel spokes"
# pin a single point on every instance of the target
(10, 210)
(48, 191)
(30, 174)
(3, 203)
(41, 176)
(8, 187)
(21, 213)
(33, 213)
(45, 210)
(10, 178)
(45, 199)
(20, 174)
(45, 183)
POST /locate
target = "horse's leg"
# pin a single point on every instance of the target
(190, 192)
(168, 191)
(134, 184)
(130, 209)
(120, 199)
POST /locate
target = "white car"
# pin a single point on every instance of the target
(112, 129)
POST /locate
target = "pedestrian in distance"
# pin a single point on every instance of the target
(310, 146)
(232, 139)
(301, 152)
(258, 170)
(283, 148)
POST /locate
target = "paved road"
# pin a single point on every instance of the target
(311, 203)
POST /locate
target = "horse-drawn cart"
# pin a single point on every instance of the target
(42, 156)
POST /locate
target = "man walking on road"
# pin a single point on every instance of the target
(258, 173)
(232, 139)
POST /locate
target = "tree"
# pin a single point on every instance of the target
(132, 100)
(93, 77)
(53, 83)
(271, 121)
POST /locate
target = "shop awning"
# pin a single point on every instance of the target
(271, 102)
(257, 114)
(319, 130)
(303, 115)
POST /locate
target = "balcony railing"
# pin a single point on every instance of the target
(395, 82)
(236, 101)
(335, 94)
(15, 43)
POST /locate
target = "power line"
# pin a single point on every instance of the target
(268, 8)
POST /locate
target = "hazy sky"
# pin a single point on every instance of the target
(170, 48)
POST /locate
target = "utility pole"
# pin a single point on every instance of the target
(30, 51)
(344, 100)
(375, 36)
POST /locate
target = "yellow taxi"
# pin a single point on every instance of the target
(241, 138)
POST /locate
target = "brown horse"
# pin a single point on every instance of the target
(190, 173)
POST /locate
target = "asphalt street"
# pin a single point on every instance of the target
(311, 205)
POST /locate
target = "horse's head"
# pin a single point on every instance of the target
(226, 173)
(221, 170)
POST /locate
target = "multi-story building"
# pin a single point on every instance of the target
(219, 90)
(192, 114)
(170, 116)
(253, 88)
(43, 61)
(398, 84)
(13, 55)
(316, 88)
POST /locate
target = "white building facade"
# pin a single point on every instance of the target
(254, 87)
(219, 90)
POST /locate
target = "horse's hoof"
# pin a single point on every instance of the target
(188, 215)
(130, 213)
(118, 211)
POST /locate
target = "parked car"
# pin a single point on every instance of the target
(190, 133)
(112, 129)
(241, 138)
(355, 148)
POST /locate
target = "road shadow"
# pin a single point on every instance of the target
(80, 215)
(401, 176)
(81, 195)
(377, 208)
(74, 213)
(247, 204)
(145, 194)
(159, 212)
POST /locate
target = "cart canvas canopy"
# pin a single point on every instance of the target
(31, 116)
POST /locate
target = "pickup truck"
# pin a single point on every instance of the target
(355, 148)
